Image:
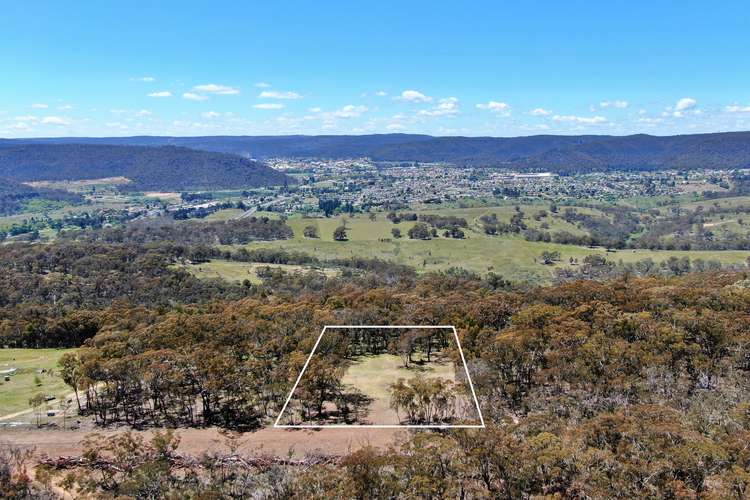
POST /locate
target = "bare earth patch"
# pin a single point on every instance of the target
(279, 442)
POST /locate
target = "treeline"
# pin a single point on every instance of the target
(598, 267)
(492, 225)
(375, 265)
(98, 219)
(612, 233)
(679, 230)
(202, 212)
(232, 232)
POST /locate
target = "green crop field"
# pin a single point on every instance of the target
(27, 381)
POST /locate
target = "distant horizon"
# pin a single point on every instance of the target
(73, 137)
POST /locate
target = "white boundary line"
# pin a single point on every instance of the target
(382, 426)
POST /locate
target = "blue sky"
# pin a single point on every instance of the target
(330, 67)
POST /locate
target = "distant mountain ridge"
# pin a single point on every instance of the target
(584, 153)
(150, 168)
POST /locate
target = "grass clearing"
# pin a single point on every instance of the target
(373, 375)
(224, 215)
(81, 185)
(15, 394)
(168, 197)
(508, 255)
(237, 272)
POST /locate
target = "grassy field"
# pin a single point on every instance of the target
(510, 256)
(223, 215)
(237, 272)
(732, 201)
(15, 394)
(374, 374)
(83, 185)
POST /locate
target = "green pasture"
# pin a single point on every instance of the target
(28, 381)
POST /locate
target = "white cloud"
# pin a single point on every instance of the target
(593, 120)
(445, 107)
(55, 120)
(381, 93)
(39, 106)
(539, 112)
(262, 85)
(735, 108)
(685, 103)
(210, 114)
(268, 105)
(496, 107)
(414, 96)
(350, 111)
(163, 93)
(21, 126)
(192, 96)
(144, 79)
(395, 126)
(143, 112)
(315, 110)
(27, 118)
(277, 94)
(614, 104)
(212, 88)
(66, 107)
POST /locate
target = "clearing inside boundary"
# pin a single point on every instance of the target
(383, 376)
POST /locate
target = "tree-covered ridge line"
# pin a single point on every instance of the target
(189, 232)
(150, 168)
(563, 154)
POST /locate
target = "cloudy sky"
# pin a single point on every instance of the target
(446, 68)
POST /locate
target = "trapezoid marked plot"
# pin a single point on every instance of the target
(383, 376)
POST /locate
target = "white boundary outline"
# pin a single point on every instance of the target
(277, 425)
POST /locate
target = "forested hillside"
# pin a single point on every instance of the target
(632, 387)
(565, 154)
(150, 168)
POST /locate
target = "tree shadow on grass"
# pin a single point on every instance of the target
(350, 406)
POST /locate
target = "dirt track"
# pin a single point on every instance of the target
(195, 441)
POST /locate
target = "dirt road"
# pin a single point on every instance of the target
(57, 442)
